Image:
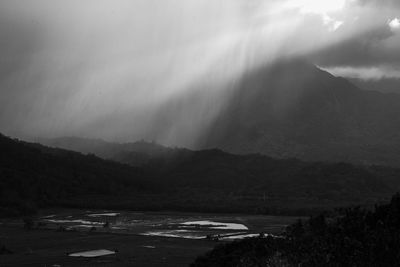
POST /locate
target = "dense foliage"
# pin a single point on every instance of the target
(356, 237)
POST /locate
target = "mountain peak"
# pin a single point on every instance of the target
(295, 109)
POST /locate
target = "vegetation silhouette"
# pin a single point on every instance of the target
(350, 237)
(35, 176)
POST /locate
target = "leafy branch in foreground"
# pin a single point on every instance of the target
(356, 237)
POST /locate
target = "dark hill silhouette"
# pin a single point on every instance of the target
(294, 109)
(209, 180)
(32, 174)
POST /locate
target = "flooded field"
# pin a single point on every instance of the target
(90, 237)
(177, 225)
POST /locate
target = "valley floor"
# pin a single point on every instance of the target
(47, 246)
(50, 248)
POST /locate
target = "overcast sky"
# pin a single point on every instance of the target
(105, 68)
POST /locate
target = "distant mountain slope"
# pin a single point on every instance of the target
(136, 153)
(103, 148)
(294, 109)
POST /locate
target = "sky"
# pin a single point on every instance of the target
(124, 70)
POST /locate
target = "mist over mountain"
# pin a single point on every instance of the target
(380, 85)
(294, 109)
(130, 70)
(285, 110)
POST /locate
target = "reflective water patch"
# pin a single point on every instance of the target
(92, 253)
(216, 225)
(111, 214)
(175, 233)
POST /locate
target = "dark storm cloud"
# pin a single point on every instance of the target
(365, 49)
(378, 3)
(373, 50)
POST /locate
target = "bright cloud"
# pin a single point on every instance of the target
(365, 73)
(325, 9)
(336, 25)
(394, 24)
(331, 23)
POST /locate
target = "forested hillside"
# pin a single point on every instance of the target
(33, 175)
(209, 180)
